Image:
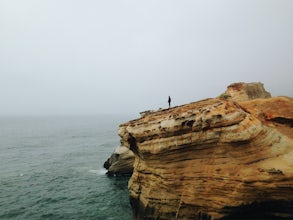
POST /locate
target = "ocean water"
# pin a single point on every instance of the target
(51, 168)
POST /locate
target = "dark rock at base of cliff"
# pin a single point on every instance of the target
(120, 163)
(268, 210)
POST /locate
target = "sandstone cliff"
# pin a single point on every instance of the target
(216, 158)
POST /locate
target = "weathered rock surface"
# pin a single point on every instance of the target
(117, 165)
(120, 162)
(245, 91)
(216, 158)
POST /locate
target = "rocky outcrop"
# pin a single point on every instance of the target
(229, 157)
(245, 91)
(120, 163)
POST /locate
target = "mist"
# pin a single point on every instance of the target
(124, 57)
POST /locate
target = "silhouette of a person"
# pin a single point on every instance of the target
(169, 101)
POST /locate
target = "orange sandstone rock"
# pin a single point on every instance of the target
(214, 159)
(245, 91)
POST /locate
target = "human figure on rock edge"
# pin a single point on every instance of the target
(169, 101)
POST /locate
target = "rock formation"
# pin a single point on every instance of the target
(121, 162)
(223, 158)
(245, 92)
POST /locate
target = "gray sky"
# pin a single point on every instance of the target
(91, 56)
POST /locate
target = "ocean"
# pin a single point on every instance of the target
(52, 168)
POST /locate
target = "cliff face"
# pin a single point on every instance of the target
(215, 158)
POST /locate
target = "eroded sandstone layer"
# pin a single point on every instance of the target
(213, 159)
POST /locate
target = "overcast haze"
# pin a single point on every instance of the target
(92, 57)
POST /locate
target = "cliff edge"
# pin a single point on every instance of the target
(223, 158)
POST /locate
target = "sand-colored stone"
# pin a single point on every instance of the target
(212, 159)
(245, 91)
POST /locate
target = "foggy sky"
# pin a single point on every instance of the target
(92, 57)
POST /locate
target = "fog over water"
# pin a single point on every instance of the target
(97, 57)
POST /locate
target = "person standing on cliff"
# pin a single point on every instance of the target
(169, 101)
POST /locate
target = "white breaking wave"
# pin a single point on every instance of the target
(99, 172)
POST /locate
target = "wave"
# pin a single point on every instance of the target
(99, 171)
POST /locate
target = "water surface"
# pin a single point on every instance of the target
(51, 168)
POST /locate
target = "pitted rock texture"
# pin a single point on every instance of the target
(236, 91)
(212, 158)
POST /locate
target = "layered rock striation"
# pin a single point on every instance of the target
(220, 158)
